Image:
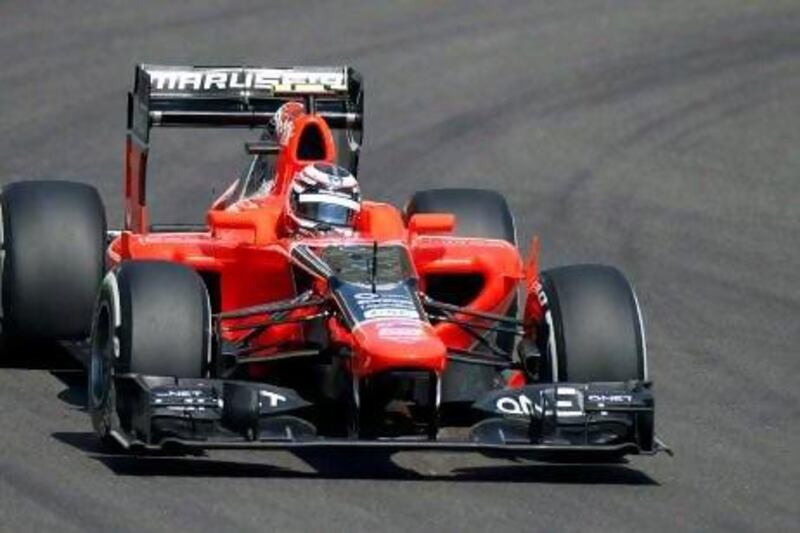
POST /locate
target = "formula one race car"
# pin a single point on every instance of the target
(301, 316)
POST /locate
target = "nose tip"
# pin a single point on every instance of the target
(395, 344)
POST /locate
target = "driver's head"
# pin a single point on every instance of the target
(324, 197)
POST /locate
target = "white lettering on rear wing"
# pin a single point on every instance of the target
(273, 81)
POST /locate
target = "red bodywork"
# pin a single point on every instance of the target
(247, 252)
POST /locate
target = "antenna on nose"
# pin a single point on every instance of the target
(374, 265)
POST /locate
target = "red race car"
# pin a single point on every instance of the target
(301, 315)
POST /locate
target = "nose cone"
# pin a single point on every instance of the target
(393, 344)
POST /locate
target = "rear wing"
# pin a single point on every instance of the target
(218, 97)
(225, 97)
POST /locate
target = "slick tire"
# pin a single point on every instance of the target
(596, 332)
(51, 258)
(479, 213)
(151, 318)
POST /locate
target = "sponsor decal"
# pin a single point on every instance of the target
(179, 393)
(397, 304)
(540, 294)
(520, 405)
(189, 399)
(568, 403)
(435, 241)
(609, 398)
(284, 133)
(274, 398)
(246, 79)
(390, 313)
(400, 331)
(284, 120)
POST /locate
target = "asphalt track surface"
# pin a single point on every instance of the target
(661, 137)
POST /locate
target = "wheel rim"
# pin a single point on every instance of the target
(101, 368)
(2, 260)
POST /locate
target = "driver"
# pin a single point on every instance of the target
(324, 197)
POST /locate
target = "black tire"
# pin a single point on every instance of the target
(151, 318)
(479, 213)
(53, 244)
(597, 333)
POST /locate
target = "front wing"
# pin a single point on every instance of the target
(547, 421)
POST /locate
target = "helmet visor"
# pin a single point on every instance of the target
(326, 213)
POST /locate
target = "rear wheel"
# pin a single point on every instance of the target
(52, 258)
(151, 318)
(482, 214)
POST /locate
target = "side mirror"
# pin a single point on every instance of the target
(431, 223)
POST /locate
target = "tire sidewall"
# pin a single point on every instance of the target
(120, 308)
(557, 342)
(104, 355)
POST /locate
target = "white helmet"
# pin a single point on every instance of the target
(324, 196)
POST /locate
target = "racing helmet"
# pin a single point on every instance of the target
(324, 195)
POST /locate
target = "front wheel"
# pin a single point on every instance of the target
(595, 330)
(151, 318)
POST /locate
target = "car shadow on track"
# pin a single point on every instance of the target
(63, 363)
(60, 360)
(36, 355)
(351, 465)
